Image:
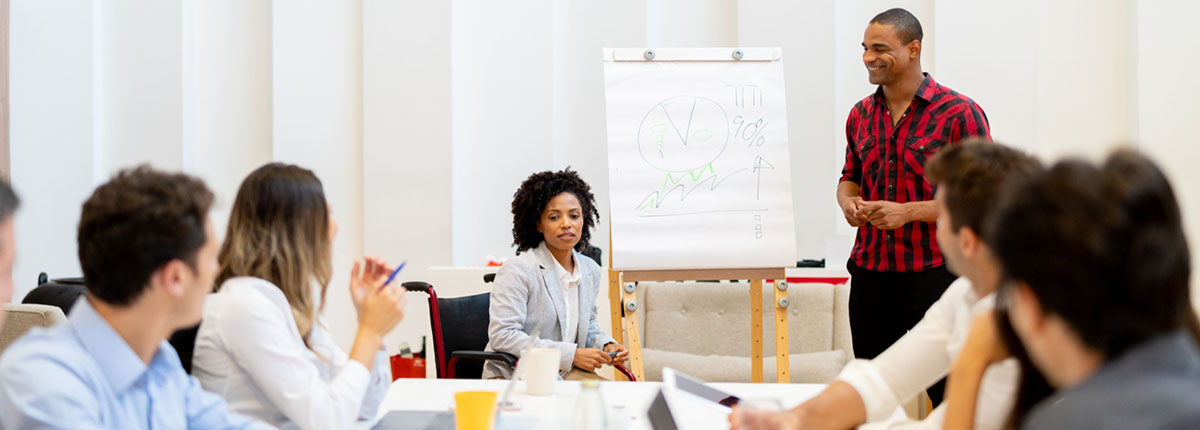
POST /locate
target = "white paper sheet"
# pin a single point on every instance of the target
(699, 174)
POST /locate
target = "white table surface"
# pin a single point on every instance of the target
(627, 402)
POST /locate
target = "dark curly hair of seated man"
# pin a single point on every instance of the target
(536, 192)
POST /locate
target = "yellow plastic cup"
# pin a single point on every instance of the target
(475, 410)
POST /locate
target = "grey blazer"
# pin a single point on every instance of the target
(1155, 385)
(528, 299)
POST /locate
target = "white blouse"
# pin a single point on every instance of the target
(249, 351)
(570, 283)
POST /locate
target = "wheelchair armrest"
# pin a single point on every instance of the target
(420, 286)
(509, 359)
(626, 372)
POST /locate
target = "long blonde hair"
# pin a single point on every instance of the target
(279, 231)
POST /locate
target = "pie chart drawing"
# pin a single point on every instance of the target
(683, 133)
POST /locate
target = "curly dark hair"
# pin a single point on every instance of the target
(134, 224)
(536, 192)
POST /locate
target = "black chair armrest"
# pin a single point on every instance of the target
(507, 358)
(420, 286)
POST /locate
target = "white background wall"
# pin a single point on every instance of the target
(422, 118)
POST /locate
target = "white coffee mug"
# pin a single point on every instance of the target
(539, 370)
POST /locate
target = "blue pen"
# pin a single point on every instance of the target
(394, 273)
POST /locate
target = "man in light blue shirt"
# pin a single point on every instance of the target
(149, 257)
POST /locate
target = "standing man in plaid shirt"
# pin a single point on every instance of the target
(896, 267)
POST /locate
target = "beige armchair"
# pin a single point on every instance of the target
(703, 329)
(20, 317)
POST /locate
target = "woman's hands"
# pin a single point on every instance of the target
(379, 308)
(622, 353)
(363, 276)
(590, 359)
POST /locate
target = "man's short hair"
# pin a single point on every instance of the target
(1102, 247)
(908, 28)
(134, 224)
(971, 175)
(8, 201)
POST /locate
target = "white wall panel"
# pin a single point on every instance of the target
(52, 133)
(406, 144)
(502, 79)
(317, 99)
(691, 23)
(138, 85)
(227, 97)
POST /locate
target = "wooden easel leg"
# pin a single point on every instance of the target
(614, 305)
(614, 309)
(614, 300)
(782, 362)
(631, 331)
(756, 330)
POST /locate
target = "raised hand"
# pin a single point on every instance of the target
(366, 277)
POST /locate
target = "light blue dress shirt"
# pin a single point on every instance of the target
(82, 375)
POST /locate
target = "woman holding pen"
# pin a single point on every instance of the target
(263, 343)
(550, 289)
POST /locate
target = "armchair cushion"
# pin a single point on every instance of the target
(812, 367)
(21, 317)
(702, 328)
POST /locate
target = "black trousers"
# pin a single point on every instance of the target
(885, 305)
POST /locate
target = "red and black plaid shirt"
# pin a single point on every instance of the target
(887, 162)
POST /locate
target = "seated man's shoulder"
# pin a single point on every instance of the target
(1160, 399)
(46, 360)
(1148, 400)
(55, 346)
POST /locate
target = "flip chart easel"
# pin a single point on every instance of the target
(698, 158)
(622, 295)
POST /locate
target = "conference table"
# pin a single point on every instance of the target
(627, 402)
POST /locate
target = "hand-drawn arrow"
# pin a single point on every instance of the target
(760, 164)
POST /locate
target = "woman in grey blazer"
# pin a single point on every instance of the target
(547, 295)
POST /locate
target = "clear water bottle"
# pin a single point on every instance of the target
(590, 412)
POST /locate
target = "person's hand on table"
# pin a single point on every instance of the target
(622, 353)
(747, 418)
(590, 359)
(884, 215)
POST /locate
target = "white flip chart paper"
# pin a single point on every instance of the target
(699, 174)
